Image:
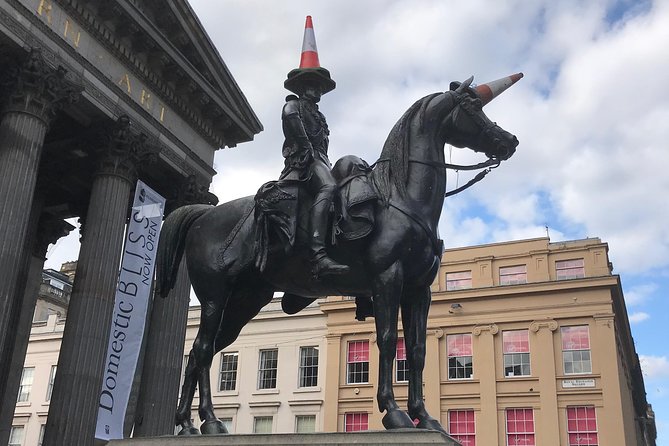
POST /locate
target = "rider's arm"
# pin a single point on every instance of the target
(293, 128)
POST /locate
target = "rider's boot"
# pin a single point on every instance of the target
(322, 265)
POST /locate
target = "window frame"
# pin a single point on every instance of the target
(455, 357)
(354, 423)
(513, 354)
(453, 280)
(303, 367)
(463, 437)
(25, 389)
(401, 362)
(570, 351)
(17, 428)
(52, 379)
(562, 266)
(350, 365)
(571, 421)
(304, 416)
(234, 373)
(523, 433)
(258, 418)
(262, 371)
(505, 272)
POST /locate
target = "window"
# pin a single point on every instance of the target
(16, 436)
(461, 426)
(458, 281)
(520, 427)
(576, 350)
(401, 364)
(308, 366)
(305, 423)
(357, 363)
(516, 347)
(40, 440)
(26, 384)
(262, 425)
(228, 375)
(267, 369)
(227, 422)
(356, 421)
(52, 377)
(513, 275)
(582, 425)
(459, 356)
(569, 269)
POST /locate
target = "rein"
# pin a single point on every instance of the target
(488, 165)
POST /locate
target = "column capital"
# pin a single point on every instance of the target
(49, 230)
(436, 332)
(550, 324)
(123, 149)
(492, 328)
(191, 190)
(34, 87)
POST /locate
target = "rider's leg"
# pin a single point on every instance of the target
(324, 187)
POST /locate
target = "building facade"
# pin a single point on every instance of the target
(95, 95)
(528, 343)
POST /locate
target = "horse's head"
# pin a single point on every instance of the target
(468, 126)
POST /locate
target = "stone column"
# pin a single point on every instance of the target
(74, 403)
(48, 231)
(164, 350)
(546, 419)
(485, 350)
(36, 92)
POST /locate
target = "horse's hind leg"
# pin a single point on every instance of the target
(203, 350)
(182, 417)
(415, 307)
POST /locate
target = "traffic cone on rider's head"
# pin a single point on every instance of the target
(490, 90)
(310, 70)
(309, 58)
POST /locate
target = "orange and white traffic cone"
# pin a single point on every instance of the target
(490, 90)
(309, 58)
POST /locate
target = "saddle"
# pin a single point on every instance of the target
(283, 205)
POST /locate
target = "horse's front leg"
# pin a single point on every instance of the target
(387, 288)
(415, 307)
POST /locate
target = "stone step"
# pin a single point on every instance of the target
(414, 437)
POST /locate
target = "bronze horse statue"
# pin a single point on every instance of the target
(395, 264)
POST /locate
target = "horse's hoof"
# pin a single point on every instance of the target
(397, 419)
(213, 427)
(430, 424)
(189, 430)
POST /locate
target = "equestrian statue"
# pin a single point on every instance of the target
(354, 230)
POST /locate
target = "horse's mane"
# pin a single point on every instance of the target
(392, 167)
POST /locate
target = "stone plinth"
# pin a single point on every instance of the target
(416, 437)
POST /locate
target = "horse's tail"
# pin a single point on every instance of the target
(172, 244)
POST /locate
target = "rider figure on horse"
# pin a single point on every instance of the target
(305, 148)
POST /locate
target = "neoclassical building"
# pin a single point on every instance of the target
(93, 96)
(528, 343)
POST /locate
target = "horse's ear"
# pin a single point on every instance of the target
(463, 86)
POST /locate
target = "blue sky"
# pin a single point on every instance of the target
(591, 115)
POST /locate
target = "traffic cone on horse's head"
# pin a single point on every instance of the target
(310, 70)
(490, 90)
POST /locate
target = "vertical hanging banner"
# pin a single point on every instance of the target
(130, 307)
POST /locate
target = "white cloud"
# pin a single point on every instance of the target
(654, 366)
(639, 294)
(637, 317)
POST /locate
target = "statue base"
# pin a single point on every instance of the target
(414, 437)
